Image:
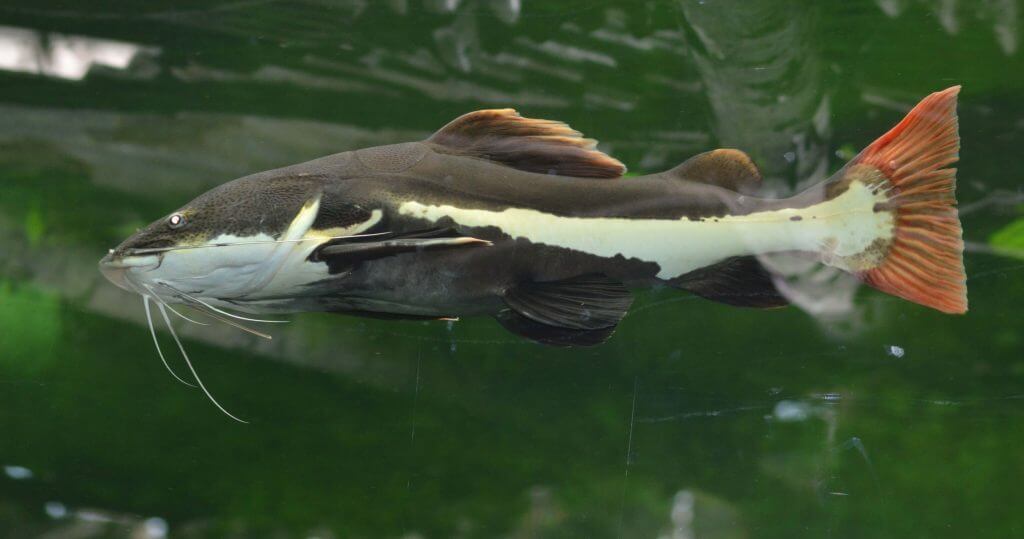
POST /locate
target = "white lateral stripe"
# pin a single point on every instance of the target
(845, 225)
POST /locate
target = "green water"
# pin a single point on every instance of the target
(855, 415)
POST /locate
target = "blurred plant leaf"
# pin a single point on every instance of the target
(1009, 240)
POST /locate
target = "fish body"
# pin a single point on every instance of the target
(526, 221)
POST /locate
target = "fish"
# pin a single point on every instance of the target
(526, 221)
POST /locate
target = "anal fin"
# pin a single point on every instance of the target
(739, 281)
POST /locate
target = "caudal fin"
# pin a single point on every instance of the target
(923, 260)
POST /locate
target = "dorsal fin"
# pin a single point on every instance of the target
(727, 168)
(542, 146)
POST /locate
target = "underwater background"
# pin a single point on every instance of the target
(850, 414)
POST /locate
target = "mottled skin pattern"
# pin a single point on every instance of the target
(453, 282)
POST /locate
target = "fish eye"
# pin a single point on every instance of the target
(176, 221)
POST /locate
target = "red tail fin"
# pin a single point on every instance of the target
(924, 261)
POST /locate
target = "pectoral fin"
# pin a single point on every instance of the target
(345, 254)
(378, 249)
(580, 311)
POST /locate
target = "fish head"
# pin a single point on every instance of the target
(226, 243)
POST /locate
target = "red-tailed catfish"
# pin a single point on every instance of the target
(524, 220)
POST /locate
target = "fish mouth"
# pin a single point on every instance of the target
(116, 268)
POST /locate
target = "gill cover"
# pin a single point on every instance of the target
(288, 242)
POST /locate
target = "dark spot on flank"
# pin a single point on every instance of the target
(836, 188)
(796, 218)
